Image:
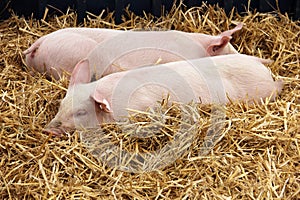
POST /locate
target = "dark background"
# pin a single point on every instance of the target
(36, 8)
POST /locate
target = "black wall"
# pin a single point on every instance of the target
(37, 7)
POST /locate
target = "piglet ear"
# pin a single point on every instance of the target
(222, 40)
(81, 73)
(103, 103)
(217, 45)
(232, 31)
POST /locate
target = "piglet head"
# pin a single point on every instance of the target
(80, 107)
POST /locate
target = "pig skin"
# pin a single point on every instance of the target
(60, 51)
(205, 80)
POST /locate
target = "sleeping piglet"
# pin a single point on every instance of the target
(205, 80)
(133, 49)
(61, 50)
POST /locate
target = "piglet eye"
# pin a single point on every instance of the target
(80, 113)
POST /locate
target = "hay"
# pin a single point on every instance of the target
(257, 158)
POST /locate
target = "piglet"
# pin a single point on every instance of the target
(61, 50)
(206, 80)
(133, 49)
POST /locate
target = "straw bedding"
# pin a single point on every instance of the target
(255, 154)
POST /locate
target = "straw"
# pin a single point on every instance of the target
(256, 154)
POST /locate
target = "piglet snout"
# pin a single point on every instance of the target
(54, 128)
(53, 132)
